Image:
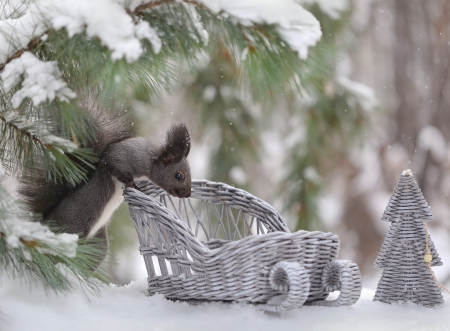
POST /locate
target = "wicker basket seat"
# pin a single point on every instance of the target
(223, 244)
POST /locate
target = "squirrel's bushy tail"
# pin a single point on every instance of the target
(111, 125)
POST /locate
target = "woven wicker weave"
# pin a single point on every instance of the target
(406, 276)
(224, 244)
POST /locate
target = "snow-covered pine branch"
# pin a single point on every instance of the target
(23, 139)
(333, 8)
(32, 251)
(359, 93)
(20, 234)
(119, 26)
(41, 80)
(24, 235)
(113, 23)
(296, 26)
(35, 131)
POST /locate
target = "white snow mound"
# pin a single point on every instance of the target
(127, 308)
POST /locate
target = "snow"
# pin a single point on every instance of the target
(144, 31)
(431, 139)
(363, 94)
(311, 174)
(298, 27)
(16, 33)
(195, 18)
(131, 4)
(330, 209)
(332, 8)
(50, 139)
(209, 93)
(367, 179)
(16, 230)
(238, 175)
(101, 18)
(12, 8)
(104, 19)
(39, 131)
(109, 21)
(41, 80)
(127, 308)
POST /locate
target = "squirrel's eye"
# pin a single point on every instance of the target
(178, 176)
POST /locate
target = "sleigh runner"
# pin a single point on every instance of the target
(223, 244)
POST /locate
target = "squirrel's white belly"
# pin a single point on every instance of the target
(113, 203)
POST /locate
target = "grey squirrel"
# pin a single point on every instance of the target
(86, 209)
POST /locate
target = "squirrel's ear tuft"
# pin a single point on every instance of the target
(177, 146)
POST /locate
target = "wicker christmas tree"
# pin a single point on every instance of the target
(408, 253)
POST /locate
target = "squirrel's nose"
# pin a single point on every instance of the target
(183, 193)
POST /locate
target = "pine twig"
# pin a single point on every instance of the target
(31, 45)
(24, 132)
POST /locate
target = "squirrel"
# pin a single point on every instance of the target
(86, 209)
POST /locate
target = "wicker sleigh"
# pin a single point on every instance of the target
(223, 244)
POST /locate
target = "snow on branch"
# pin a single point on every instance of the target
(12, 8)
(20, 233)
(145, 31)
(36, 132)
(332, 8)
(195, 17)
(104, 19)
(431, 139)
(118, 25)
(298, 27)
(111, 21)
(17, 33)
(363, 94)
(41, 80)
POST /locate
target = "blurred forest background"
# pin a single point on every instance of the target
(328, 158)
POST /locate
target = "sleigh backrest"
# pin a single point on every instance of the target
(217, 211)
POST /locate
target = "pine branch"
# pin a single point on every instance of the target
(30, 264)
(24, 143)
(30, 251)
(31, 46)
(333, 118)
(139, 11)
(267, 68)
(221, 106)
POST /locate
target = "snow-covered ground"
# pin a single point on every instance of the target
(127, 308)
